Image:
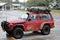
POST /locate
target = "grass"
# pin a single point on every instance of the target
(56, 11)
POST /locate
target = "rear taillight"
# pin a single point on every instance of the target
(51, 15)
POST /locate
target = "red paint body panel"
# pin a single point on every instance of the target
(31, 25)
(15, 20)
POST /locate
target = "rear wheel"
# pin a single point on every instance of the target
(17, 33)
(45, 30)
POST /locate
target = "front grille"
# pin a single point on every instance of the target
(4, 25)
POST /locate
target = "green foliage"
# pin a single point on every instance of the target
(6, 0)
(9, 1)
(37, 3)
(17, 2)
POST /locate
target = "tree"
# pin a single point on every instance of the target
(6, 1)
(10, 1)
(17, 1)
(37, 3)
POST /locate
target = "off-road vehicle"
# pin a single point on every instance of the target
(36, 19)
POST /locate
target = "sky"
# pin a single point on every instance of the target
(21, 0)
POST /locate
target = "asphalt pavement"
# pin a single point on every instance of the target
(54, 35)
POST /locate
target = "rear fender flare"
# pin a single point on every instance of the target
(43, 25)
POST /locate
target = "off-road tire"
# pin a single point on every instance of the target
(45, 30)
(17, 33)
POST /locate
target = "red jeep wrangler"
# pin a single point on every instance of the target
(36, 19)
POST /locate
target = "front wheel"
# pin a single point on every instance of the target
(45, 30)
(17, 33)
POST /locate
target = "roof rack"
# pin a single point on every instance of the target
(38, 9)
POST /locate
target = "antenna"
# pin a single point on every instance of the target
(6, 12)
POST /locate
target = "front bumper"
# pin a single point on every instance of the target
(5, 26)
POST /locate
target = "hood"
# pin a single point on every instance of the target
(16, 21)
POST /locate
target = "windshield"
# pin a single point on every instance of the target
(23, 16)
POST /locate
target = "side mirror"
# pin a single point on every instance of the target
(29, 19)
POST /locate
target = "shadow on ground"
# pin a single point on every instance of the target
(33, 36)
